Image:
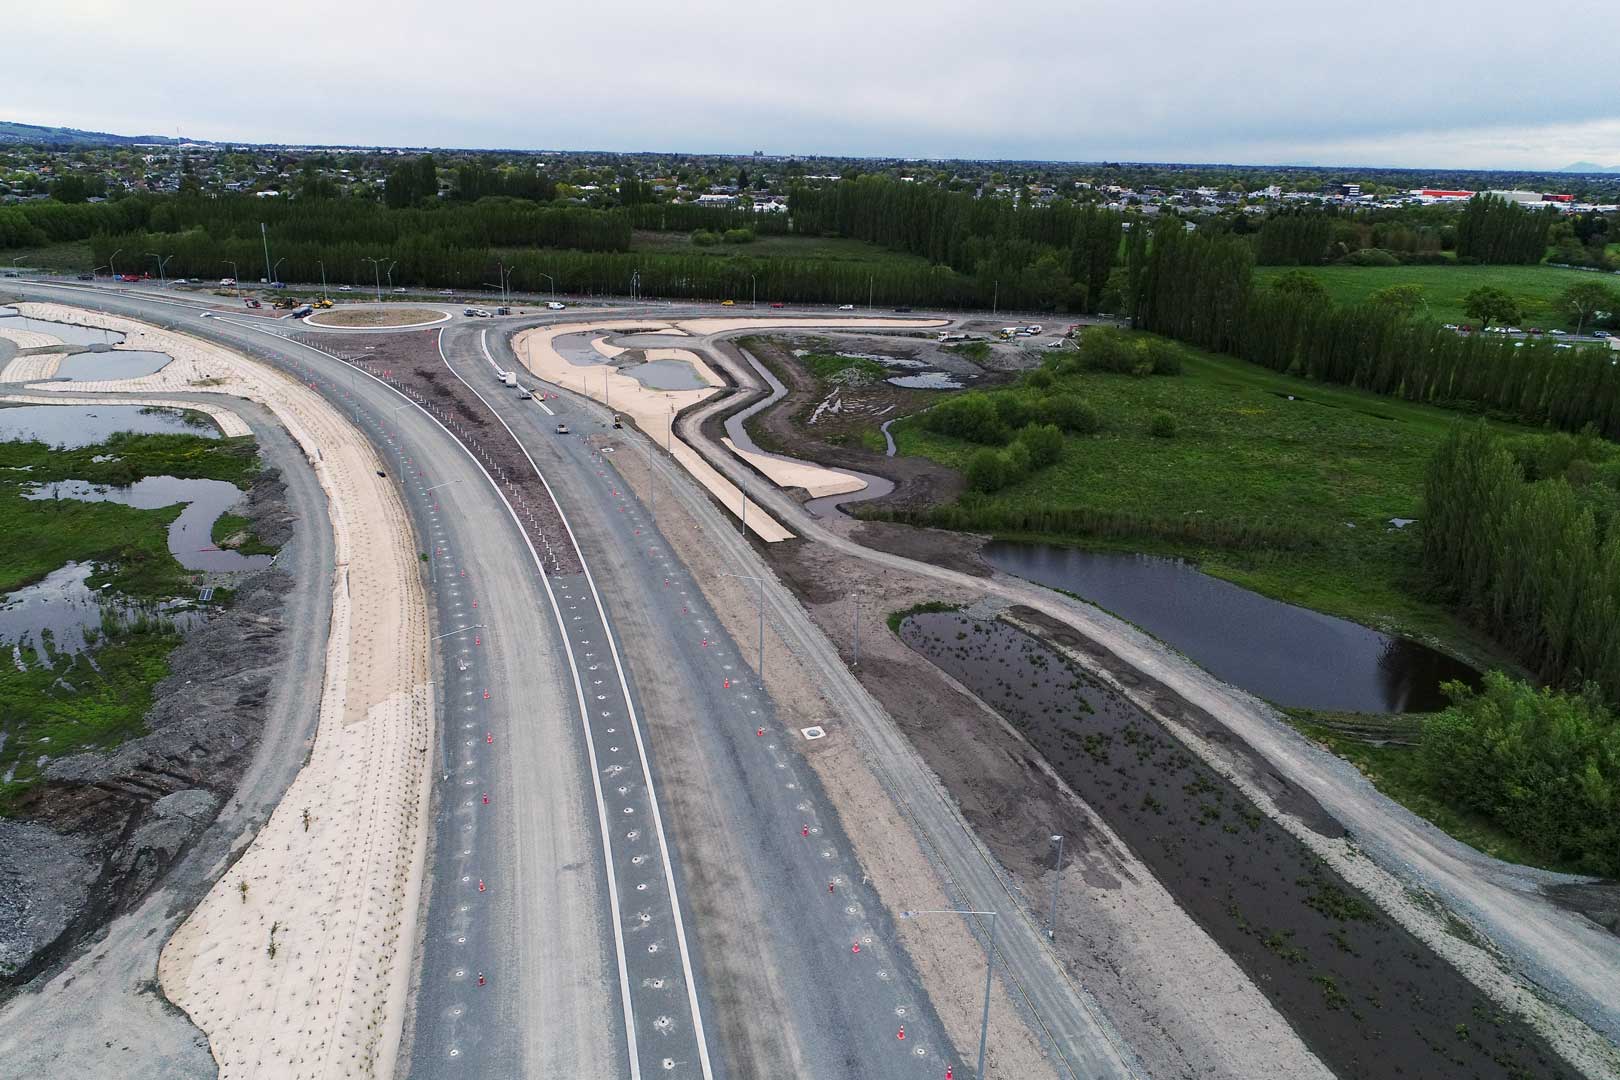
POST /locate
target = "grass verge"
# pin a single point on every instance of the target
(1536, 287)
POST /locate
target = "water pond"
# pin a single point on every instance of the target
(62, 606)
(1370, 999)
(1286, 654)
(63, 332)
(113, 364)
(73, 426)
(665, 375)
(190, 535)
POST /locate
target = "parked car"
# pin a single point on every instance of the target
(1452, 326)
(470, 312)
(278, 285)
(728, 303)
(252, 303)
(503, 311)
(399, 288)
(1466, 328)
(562, 428)
(1601, 333)
(555, 306)
(1563, 345)
(227, 281)
(444, 292)
(87, 277)
(902, 309)
(1559, 333)
(1534, 331)
(777, 304)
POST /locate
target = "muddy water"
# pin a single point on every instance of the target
(1366, 996)
(190, 534)
(115, 364)
(73, 426)
(63, 332)
(666, 375)
(1285, 654)
(62, 605)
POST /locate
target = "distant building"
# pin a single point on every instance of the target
(716, 200)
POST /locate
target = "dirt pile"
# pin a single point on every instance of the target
(92, 839)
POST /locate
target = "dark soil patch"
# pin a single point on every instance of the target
(412, 363)
(1367, 997)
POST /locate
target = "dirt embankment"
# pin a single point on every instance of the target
(92, 839)
(783, 428)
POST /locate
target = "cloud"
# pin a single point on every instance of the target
(1386, 82)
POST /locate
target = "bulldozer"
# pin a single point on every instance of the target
(284, 303)
(321, 304)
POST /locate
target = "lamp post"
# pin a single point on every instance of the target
(989, 969)
(553, 282)
(855, 597)
(276, 269)
(761, 581)
(162, 261)
(112, 265)
(754, 282)
(1057, 875)
(264, 234)
(323, 280)
(236, 277)
(376, 270)
(390, 273)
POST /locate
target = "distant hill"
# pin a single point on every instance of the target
(33, 135)
(1590, 167)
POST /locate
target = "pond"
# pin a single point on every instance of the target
(929, 380)
(63, 332)
(665, 375)
(73, 426)
(62, 606)
(1371, 1000)
(190, 535)
(1286, 654)
(113, 364)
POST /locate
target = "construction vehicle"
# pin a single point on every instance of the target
(321, 304)
(284, 303)
(252, 303)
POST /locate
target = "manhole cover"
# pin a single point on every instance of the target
(813, 733)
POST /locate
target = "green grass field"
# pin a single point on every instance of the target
(74, 255)
(1245, 454)
(1444, 287)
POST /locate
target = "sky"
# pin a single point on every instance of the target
(1487, 84)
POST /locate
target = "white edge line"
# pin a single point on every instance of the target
(635, 726)
(579, 691)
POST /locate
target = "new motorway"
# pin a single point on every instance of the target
(632, 871)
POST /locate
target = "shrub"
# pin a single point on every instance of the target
(1162, 425)
(1039, 379)
(1068, 413)
(1103, 348)
(1018, 462)
(987, 471)
(972, 416)
(1371, 257)
(1014, 410)
(1164, 356)
(705, 238)
(738, 236)
(1044, 442)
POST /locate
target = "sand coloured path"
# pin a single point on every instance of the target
(32, 368)
(333, 879)
(230, 424)
(28, 339)
(653, 411)
(815, 479)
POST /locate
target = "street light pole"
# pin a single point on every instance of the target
(236, 275)
(276, 269)
(264, 234)
(113, 266)
(752, 280)
(376, 271)
(856, 597)
(1057, 875)
(323, 279)
(553, 283)
(761, 581)
(162, 261)
(989, 969)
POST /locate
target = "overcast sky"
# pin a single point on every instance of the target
(1383, 82)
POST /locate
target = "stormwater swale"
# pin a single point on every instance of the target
(113, 364)
(929, 380)
(190, 535)
(61, 606)
(73, 426)
(1286, 654)
(66, 333)
(1368, 998)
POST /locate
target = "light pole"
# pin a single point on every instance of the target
(236, 276)
(270, 275)
(113, 266)
(989, 969)
(995, 298)
(390, 273)
(323, 280)
(276, 269)
(750, 577)
(856, 598)
(553, 282)
(162, 261)
(505, 275)
(376, 270)
(753, 281)
(870, 288)
(1057, 875)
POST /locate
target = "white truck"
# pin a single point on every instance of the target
(509, 378)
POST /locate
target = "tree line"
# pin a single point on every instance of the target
(1199, 289)
(1493, 230)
